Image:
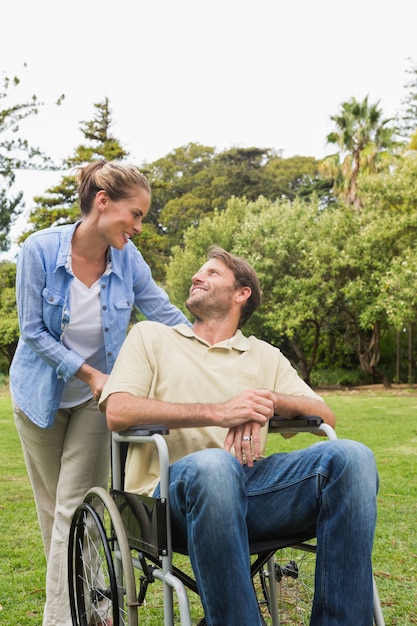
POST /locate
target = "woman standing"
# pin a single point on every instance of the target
(76, 286)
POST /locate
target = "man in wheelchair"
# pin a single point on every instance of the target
(216, 390)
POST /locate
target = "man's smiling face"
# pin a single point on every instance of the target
(212, 290)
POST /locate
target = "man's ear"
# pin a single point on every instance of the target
(243, 294)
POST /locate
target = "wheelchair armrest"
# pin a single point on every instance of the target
(144, 430)
(277, 424)
(145, 433)
(303, 423)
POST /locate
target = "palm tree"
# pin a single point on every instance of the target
(363, 138)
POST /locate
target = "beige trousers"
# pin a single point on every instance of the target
(63, 462)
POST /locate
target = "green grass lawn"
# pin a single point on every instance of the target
(385, 421)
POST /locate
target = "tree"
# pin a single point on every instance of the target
(220, 229)
(363, 138)
(326, 274)
(360, 268)
(294, 248)
(194, 182)
(288, 245)
(392, 196)
(60, 205)
(181, 173)
(379, 261)
(9, 327)
(407, 118)
(15, 154)
(239, 172)
(296, 176)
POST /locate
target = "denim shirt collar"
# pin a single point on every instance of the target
(64, 252)
(114, 259)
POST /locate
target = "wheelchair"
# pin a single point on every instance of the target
(120, 544)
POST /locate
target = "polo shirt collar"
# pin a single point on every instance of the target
(237, 342)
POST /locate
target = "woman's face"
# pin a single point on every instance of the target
(121, 220)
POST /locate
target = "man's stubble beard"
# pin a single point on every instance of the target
(208, 307)
(196, 309)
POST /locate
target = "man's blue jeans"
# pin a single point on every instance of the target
(218, 506)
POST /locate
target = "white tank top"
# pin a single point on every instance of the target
(84, 335)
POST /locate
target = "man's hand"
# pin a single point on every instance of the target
(246, 441)
(251, 405)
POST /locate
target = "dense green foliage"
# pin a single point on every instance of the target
(9, 327)
(330, 292)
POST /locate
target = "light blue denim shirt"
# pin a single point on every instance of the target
(42, 364)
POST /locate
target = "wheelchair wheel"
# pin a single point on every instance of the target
(100, 571)
(294, 583)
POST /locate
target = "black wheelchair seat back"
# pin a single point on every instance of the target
(145, 521)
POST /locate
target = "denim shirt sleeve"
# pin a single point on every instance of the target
(149, 298)
(42, 286)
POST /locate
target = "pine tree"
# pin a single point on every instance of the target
(15, 154)
(59, 205)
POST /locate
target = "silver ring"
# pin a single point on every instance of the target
(246, 438)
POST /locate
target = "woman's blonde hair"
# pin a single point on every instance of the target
(119, 180)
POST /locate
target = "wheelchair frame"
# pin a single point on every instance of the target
(100, 560)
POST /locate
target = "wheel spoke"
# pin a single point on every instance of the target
(97, 571)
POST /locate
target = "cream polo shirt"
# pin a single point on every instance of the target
(173, 364)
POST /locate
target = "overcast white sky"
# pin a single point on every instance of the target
(224, 73)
